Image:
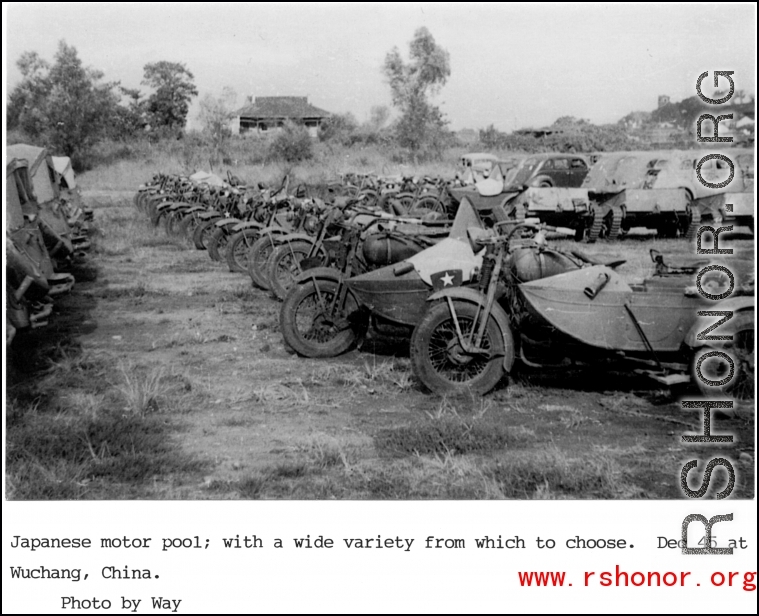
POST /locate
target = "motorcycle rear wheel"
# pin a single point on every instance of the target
(307, 329)
(258, 258)
(202, 233)
(238, 248)
(217, 244)
(283, 266)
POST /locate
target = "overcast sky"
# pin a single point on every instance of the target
(511, 66)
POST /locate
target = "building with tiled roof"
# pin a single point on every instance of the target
(267, 113)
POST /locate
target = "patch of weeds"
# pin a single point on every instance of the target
(446, 430)
(550, 473)
(325, 452)
(160, 240)
(138, 291)
(142, 389)
(178, 339)
(235, 422)
(116, 251)
(275, 392)
(252, 486)
(379, 377)
(291, 469)
(87, 455)
(199, 266)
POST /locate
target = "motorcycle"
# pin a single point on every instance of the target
(329, 308)
(469, 338)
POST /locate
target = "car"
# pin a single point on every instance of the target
(551, 170)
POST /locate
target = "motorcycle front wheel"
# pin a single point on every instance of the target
(440, 362)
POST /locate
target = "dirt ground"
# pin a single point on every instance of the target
(170, 346)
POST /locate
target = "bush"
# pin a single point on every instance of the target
(339, 128)
(292, 144)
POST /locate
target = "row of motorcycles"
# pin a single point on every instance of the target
(477, 291)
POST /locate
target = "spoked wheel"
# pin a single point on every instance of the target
(284, 266)
(440, 362)
(370, 197)
(237, 250)
(217, 244)
(258, 258)
(171, 222)
(202, 233)
(310, 325)
(427, 204)
(186, 226)
(716, 368)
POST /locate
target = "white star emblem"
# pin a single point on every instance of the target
(447, 280)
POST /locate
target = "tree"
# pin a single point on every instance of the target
(216, 113)
(169, 104)
(421, 126)
(339, 127)
(129, 116)
(292, 143)
(378, 117)
(64, 104)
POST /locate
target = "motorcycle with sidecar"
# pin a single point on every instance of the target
(470, 337)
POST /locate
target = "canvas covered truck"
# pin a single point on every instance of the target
(61, 239)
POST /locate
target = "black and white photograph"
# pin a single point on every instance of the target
(377, 252)
(379, 308)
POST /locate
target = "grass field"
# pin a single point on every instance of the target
(162, 375)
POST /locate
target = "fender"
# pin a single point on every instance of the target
(274, 230)
(167, 205)
(473, 296)
(320, 273)
(291, 237)
(209, 215)
(248, 224)
(194, 208)
(742, 303)
(179, 205)
(226, 222)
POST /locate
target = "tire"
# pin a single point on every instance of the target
(437, 359)
(427, 204)
(370, 197)
(203, 233)
(155, 215)
(139, 200)
(186, 226)
(237, 250)
(258, 257)
(310, 333)
(542, 181)
(741, 386)
(283, 266)
(173, 223)
(217, 244)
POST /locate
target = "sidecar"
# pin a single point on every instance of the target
(593, 311)
(398, 293)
